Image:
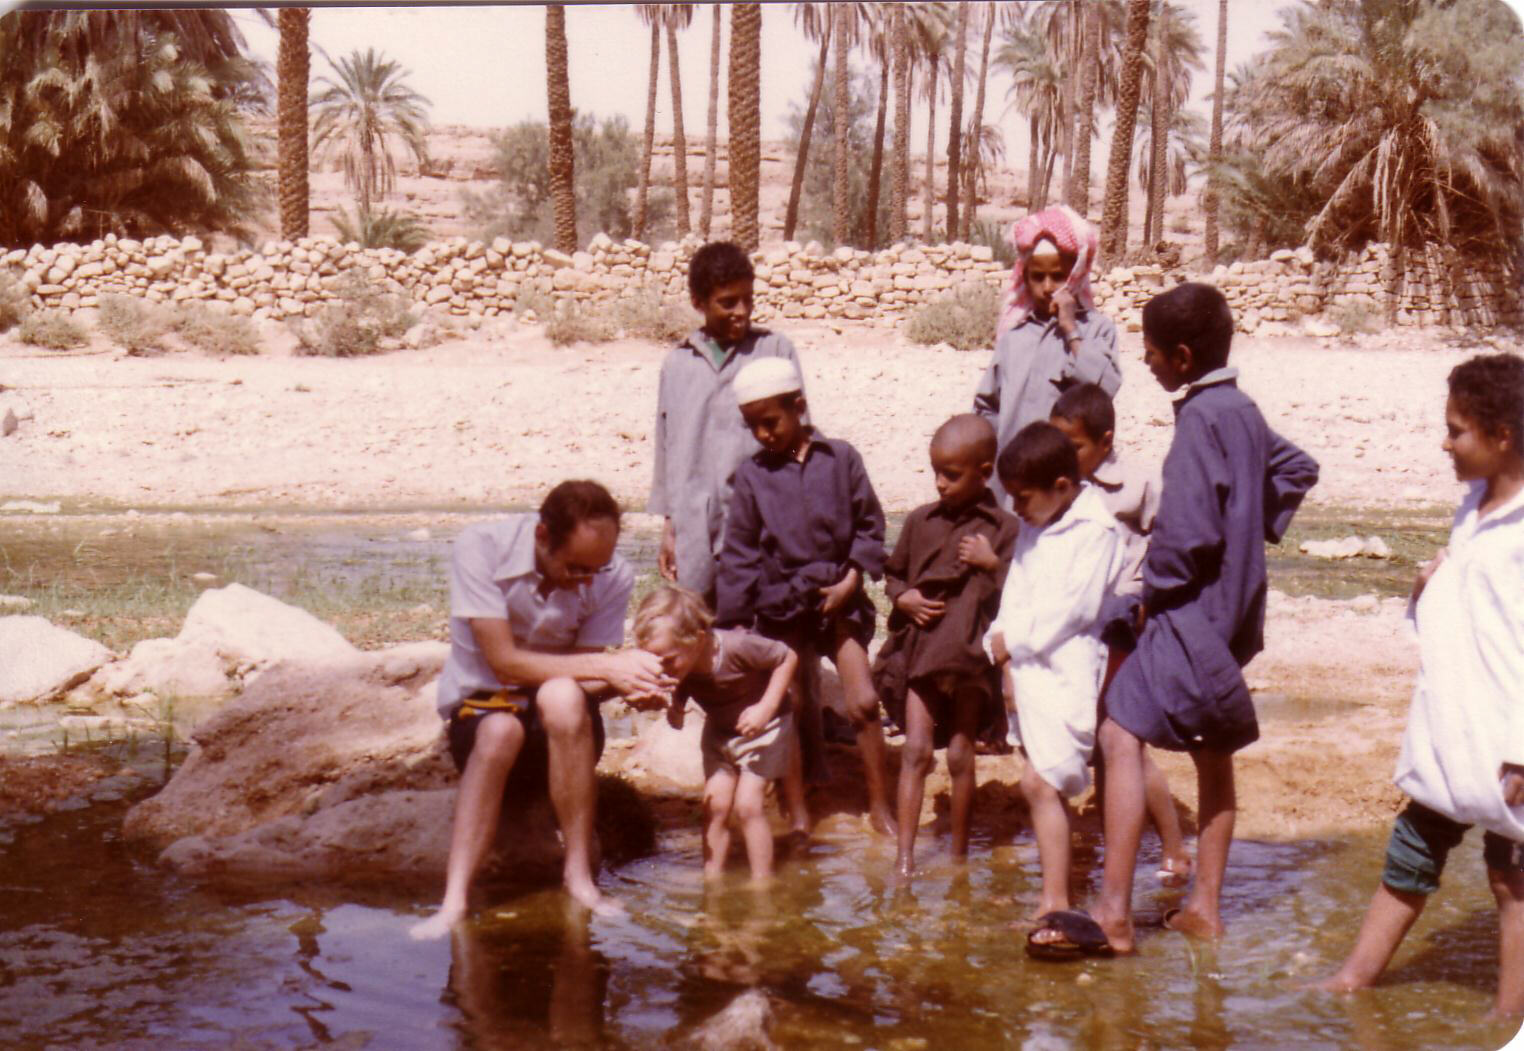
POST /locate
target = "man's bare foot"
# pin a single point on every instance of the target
(1193, 924)
(881, 819)
(437, 925)
(1338, 983)
(589, 897)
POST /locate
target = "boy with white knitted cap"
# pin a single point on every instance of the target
(805, 528)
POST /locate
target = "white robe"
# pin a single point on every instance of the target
(1468, 707)
(1049, 616)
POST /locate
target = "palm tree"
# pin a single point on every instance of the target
(678, 16)
(292, 73)
(1037, 90)
(1114, 210)
(651, 15)
(899, 171)
(1214, 157)
(815, 21)
(1078, 196)
(706, 214)
(563, 193)
(745, 115)
(1167, 85)
(932, 25)
(955, 120)
(843, 17)
(976, 126)
(126, 122)
(360, 114)
(880, 21)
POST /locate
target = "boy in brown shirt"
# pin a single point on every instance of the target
(741, 681)
(944, 579)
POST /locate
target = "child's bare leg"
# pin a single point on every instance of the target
(1508, 888)
(1201, 914)
(1050, 821)
(751, 809)
(719, 798)
(1161, 809)
(916, 759)
(960, 766)
(1391, 915)
(1123, 827)
(862, 709)
(477, 804)
(792, 782)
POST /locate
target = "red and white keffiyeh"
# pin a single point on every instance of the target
(1073, 235)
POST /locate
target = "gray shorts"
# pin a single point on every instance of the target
(767, 755)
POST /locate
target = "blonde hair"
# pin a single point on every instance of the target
(683, 609)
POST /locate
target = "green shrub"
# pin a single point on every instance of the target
(361, 321)
(1353, 316)
(135, 325)
(573, 323)
(15, 302)
(965, 319)
(382, 229)
(649, 315)
(216, 331)
(991, 233)
(53, 329)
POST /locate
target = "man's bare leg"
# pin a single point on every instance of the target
(1201, 915)
(862, 709)
(1123, 826)
(477, 804)
(1391, 915)
(960, 766)
(916, 758)
(751, 810)
(562, 708)
(719, 799)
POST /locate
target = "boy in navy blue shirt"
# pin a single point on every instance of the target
(805, 529)
(1230, 484)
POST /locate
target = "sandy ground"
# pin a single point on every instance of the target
(497, 417)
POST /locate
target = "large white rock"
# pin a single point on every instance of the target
(39, 660)
(169, 668)
(247, 628)
(667, 755)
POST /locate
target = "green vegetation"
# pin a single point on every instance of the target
(992, 234)
(572, 322)
(216, 331)
(1414, 537)
(53, 329)
(365, 319)
(644, 315)
(135, 325)
(382, 229)
(1354, 318)
(361, 116)
(964, 319)
(140, 327)
(815, 208)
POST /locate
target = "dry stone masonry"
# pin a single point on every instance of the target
(294, 279)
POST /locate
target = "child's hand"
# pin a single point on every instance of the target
(1064, 308)
(920, 609)
(977, 551)
(675, 714)
(753, 720)
(1513, 784)
(1427, 570)
(834, 597)
(666, 556)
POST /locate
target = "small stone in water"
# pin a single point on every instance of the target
(203, 578)
(1084, 978)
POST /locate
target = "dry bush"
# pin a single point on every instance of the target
(216, 331)
(964, 319)
(15, 302)
(365, 319)
(574, 323)
(53, 329)
(135, 325)
(649, 315)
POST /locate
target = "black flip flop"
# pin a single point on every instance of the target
(1082, 937)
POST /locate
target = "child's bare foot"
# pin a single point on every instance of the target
(904, 864)
(1119, 933)
(881, 819)
(437, 925)
(1338, 983)
(1175, 871)
(1194, 925)
(589, 897)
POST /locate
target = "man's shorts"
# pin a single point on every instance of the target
(767, 755)
(531, 770)
(1421, 843)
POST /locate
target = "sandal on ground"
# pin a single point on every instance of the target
(1173, 873)
(1079, 937)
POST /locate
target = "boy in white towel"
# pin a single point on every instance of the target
(1462, 758)
(1068, 558)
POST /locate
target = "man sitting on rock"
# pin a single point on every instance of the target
(533, 602)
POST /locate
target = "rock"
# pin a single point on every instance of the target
(8, 422)
(35, 507)
(1365, 604)
(14, 603)
(247, 628)
(1349, 547)
(43, 660)
(167, 668)
(203, 578)
(420, 534)
(1375, 547)
(667, 755)
(744, 1025)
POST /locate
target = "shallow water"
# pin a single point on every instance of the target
(100, 949)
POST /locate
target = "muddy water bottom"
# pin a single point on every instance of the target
(100, 949)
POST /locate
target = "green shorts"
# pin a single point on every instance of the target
(1421, 843)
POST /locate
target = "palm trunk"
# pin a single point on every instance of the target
(1149, 237)
(745, 114)
(1114, 211)
(643, 191)
(679, 139)
(802, 155)
(1079, 197)
(876, 168)
(955, 122)
(841, 210)
(293, 67)
(1049, 157)
(1034, 168)
(1159, 134)
(558, 90)
(1214, 155)
(706, 214)
(971, 169)
(929, 191)
(899, 179)
(1066, 127)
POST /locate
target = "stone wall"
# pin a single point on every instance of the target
(285, 279)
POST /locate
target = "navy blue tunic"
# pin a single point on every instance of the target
(1230, 484)
(794, 528)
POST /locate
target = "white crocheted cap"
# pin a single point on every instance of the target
(1046, 248)
(766, 378)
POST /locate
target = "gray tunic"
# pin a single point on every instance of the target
(699, 442)
(1031, 369)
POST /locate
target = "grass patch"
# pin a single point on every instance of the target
(1413, 536)
(964, 319)
(52, 329)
